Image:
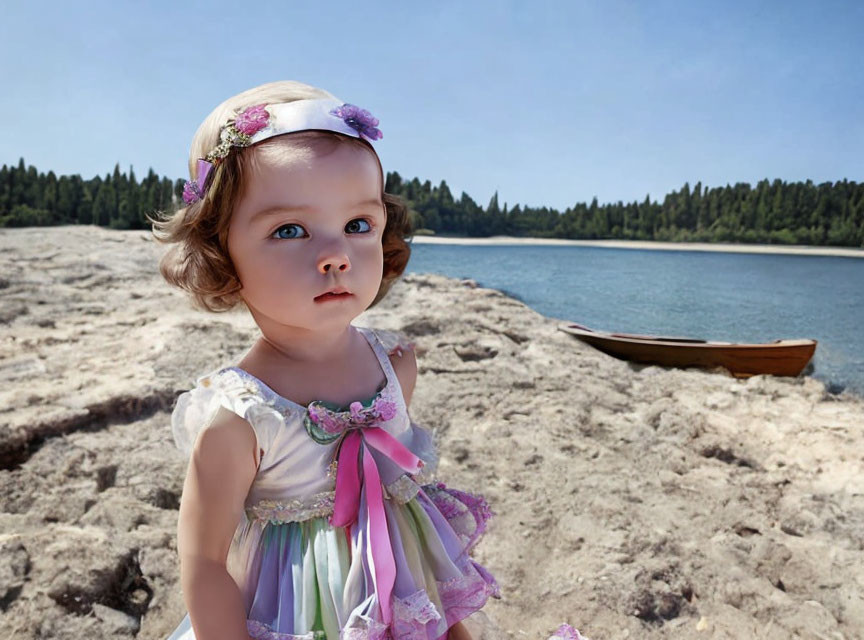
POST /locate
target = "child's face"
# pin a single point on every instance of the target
(284, 259)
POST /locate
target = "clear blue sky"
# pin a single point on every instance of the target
(549, 103)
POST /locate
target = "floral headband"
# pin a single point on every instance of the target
(263, 121)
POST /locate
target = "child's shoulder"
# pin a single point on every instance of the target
(394, 342)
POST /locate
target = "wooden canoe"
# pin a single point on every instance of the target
(778, 358)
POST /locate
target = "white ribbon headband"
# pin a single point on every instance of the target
(263, 121)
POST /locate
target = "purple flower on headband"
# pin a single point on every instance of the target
(359, 119)
(193, 190)
(252, 120)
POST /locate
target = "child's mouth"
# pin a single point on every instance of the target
(332, 296)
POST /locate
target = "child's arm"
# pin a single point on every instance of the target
(405, 365)
(221, 470)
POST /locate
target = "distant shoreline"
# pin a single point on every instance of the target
(806, 250)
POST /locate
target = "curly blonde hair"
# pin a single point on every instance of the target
(198, 262)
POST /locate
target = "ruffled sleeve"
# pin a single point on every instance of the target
(195, 410)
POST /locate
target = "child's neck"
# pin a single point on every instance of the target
(307, 346)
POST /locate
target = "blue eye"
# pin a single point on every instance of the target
(351, 227)
(287, 226)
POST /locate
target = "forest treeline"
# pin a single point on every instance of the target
(772, 212)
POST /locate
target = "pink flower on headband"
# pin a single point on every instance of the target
(252, 120)
(360, 120)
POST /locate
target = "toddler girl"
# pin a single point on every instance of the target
(309, 510)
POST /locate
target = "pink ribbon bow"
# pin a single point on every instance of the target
(347, 500)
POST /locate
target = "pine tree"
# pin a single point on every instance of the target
(85, 208)
(105, 204)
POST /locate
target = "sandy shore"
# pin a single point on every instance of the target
(800, 250)
(631, 502)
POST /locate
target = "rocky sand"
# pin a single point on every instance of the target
(630, 501)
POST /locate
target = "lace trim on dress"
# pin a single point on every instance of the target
(460, 597)
(369, 629)
(466, 512)
(403, 489)
(281, 512)
(411, 615)
(463, 595)
(260, 631)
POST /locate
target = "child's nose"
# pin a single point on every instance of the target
(334, 260)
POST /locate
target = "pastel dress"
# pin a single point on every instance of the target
(346, 535)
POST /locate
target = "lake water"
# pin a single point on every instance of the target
(730, 297)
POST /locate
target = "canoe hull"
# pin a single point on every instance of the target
(780, 358)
